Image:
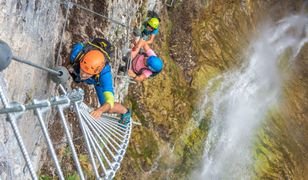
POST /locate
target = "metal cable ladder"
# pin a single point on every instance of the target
(106, 140)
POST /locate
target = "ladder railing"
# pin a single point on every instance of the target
(105, 139)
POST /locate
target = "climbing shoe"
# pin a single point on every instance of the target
(125, 118)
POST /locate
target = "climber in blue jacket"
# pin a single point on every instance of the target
(91, 66)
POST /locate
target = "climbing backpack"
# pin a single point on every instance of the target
(99, 43)
(80, 49)
(153, 14)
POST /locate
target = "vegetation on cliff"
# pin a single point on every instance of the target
(199, 41)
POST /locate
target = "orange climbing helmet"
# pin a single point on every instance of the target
(93, 62)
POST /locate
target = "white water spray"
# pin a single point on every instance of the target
(245, 97)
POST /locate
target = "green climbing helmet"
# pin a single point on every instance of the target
(154, 23)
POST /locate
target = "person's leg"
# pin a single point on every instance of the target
(118, 108)
(134, 54)
(136, 40)
(137, 48)
(141, 43)
(125, 113)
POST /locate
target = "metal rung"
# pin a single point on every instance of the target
(106, 140)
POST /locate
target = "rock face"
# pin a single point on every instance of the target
(198, 40)
(31, 29)
(281, 151)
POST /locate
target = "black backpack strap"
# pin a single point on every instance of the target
(103, 45)
(96, 77)
(143, 69)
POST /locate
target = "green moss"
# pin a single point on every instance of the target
(283, 60)
(45, 177)
(73, 176)
(67, 152)
(203, 75)
(86, 166)
(225, 30)
(136, 111)
(270, 155)
(191, 152)
(146, 148)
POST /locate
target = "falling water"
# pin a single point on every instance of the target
(245, 97)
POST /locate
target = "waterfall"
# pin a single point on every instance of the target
(245, 97)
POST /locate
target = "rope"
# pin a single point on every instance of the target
(96, 13)
(37, 66)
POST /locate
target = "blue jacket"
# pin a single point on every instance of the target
(146, 34)
(102, 84)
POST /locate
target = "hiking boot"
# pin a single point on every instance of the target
(125, 118)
